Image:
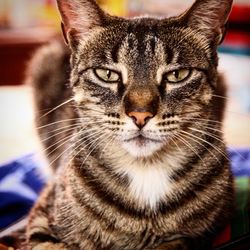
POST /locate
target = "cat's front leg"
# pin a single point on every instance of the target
(49, 245)
(39, 232)
(44, 241)
(41, 237)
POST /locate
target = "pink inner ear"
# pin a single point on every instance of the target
(69, 17)
(64, 33)
(213, 19)
(67, 14)
(78, 17)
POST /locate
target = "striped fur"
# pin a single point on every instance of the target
(165, 184)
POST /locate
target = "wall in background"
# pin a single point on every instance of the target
(28, 13)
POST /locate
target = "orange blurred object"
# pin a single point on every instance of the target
(114, 7)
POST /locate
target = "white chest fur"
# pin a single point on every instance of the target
(149, 184)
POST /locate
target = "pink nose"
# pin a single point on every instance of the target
(140, 118)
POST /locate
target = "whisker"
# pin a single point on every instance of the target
(82, 119)
(189, 112)
(61, 143)
(57, 122)
(204, 125)
(211, 128)
(63, 128)
(61, 132)
(65, 140)
(83, 124)
(201, 144)
(84, 147)
(104, 135)
(176, 144)
(222, 97)
(38, 111)
(209, 134)
(73, 145)
(185, 142)
(78, 146)
(90, 109)
(107, 144)
(201, 119)
(213, 146)
(57, 107)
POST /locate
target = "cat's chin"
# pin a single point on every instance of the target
(142, 148)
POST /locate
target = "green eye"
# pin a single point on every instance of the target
(107, 75)
(177, 75)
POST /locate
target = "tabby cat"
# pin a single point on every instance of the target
(136, 138)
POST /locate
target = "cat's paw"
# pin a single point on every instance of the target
(49, 246)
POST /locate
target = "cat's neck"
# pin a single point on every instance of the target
(149, 178)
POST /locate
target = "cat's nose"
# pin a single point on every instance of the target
(140, 118)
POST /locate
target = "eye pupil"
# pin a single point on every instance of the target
(108, 74)
(176, 74)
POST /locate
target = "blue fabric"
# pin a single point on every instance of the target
(20, 184)
(240, 161)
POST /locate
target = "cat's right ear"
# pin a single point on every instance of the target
(79, 17)
(209, 17)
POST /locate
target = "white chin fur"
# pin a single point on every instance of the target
(141, 150)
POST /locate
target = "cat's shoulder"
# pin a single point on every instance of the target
(49, 67)
(49, 58)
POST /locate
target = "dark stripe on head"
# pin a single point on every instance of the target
(170, 54)
(140, 36)
(153, 38)
(152, 43)
(115, 52)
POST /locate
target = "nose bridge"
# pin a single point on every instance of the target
(141, 99)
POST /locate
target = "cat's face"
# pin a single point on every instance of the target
(141, 84)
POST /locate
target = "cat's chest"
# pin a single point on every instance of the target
(150, 183)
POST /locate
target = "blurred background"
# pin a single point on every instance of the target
(27, 24)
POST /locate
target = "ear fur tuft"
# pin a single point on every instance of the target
(80, 16)
(209, 17)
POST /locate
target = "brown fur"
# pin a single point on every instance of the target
(49, 74)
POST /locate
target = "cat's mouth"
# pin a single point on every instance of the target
(141, 145)
(141, 140)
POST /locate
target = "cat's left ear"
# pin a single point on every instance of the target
(79, 16)
(209, 17)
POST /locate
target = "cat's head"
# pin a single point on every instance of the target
(142, 83)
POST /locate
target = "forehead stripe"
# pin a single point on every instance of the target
(115, 52)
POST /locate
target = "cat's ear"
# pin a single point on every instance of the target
(209, 17)
(79, 16)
